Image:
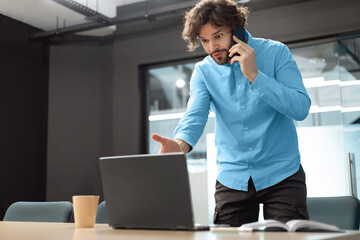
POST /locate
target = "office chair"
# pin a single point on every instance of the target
(340, 211)
(40, 212)
(101, 216)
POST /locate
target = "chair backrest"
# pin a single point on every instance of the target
(40, 212)
(343, 211)
(101, 216)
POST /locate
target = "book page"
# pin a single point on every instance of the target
(312, 225)
(290, 226)
(263, 224)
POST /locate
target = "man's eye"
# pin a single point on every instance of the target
(204, 40)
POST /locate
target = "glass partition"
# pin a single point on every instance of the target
(169, 93)
(320, 134)
(349, 60)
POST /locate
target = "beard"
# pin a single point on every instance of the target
(222, 60)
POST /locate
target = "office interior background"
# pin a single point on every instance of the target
(90, 78)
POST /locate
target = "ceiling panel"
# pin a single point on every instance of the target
(48, 15)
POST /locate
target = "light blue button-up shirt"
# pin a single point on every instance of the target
(255, 135)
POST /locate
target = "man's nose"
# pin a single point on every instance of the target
(213, 45)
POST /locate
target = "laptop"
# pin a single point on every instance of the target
(148, 192)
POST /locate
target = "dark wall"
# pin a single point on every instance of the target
(23, 114)
(77, 119)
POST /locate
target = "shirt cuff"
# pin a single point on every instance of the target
(185, 138)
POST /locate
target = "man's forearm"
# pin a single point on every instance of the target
(185, 147)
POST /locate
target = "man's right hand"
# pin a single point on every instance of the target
(169, 145)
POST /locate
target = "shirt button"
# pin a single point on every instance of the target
(245, 128)
(250, 148)
(242, 107)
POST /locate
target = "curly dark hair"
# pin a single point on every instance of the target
(216, 12)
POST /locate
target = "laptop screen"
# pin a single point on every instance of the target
(147, 191)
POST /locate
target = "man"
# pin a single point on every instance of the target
(256, 92)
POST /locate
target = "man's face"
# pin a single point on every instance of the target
(216, 41)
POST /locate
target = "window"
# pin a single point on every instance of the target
(169, 93)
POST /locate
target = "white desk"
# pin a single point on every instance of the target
(62, 231)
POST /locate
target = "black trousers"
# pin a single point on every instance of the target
(284, 201)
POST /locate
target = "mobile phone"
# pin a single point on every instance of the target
(240, 33)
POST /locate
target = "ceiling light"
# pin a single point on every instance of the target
(180, 83)
(242, 1)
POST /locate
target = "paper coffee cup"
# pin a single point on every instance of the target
(85, 208)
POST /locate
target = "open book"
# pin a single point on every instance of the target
(290, 226)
